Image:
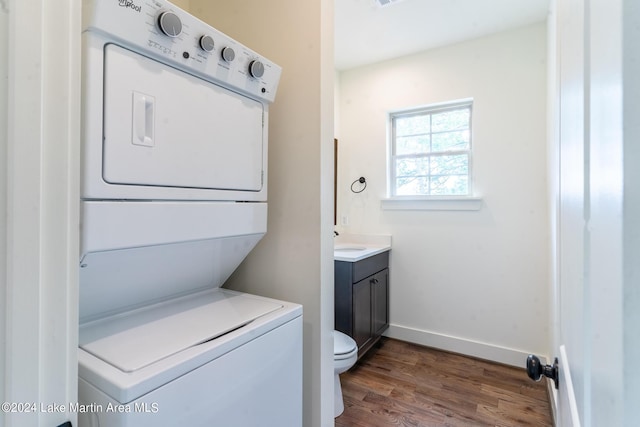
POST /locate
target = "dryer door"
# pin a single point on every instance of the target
(165, 128)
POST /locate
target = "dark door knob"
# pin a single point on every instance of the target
(535, 369)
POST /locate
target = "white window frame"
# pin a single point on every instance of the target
(430, 202)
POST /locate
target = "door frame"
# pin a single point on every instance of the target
(40, 66)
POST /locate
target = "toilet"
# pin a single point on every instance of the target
(345, 355)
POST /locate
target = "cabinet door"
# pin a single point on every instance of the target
(362, 312)
(380, 302)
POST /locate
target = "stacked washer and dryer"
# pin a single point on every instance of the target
(173, 198)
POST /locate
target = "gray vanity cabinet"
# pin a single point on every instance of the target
(362, 299)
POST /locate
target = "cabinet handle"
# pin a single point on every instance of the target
(374, 281)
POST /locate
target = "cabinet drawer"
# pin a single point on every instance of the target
(368, 266)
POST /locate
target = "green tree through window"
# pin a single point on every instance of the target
(431, 151)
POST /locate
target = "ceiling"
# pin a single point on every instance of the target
(366, 33)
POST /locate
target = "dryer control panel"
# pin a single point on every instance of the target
(167, 33)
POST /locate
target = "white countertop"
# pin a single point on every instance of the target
(352, 248)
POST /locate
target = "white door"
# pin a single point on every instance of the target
(572, 213)
(596, 335)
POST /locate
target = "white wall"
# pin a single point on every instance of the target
(183, 4)
(475, 282)
(295, 259)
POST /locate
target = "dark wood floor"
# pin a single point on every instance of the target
(403, 384)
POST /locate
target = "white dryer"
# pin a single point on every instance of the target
(174, 196)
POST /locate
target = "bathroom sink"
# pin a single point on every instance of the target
(356, 251)
(350, 248)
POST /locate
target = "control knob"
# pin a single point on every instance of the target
(206, 43)
(256, 69)
(228, 54)
(170, 24)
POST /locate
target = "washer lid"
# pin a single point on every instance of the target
(342, 344)
(136, 339)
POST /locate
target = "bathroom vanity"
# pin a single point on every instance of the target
(362, 292)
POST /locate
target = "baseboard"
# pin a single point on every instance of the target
(467, 347)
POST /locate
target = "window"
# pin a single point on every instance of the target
(431, 151)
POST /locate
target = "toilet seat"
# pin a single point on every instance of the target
(343, 346)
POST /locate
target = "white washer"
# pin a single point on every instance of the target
(167, 365)
(174, 196)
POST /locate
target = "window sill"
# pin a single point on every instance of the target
(431, 204)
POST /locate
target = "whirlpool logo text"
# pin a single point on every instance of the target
(130, 5)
